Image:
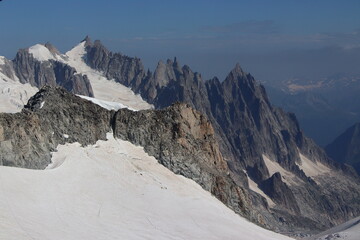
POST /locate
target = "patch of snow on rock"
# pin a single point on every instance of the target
(254, 187)
(273, 167)
(107, 105)
(310, 168)
(349, 230)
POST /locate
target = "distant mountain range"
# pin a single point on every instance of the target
(226, 135)
(325, 108)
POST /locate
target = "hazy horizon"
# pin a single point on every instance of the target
(273, 40)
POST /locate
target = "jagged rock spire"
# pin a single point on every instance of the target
(87, 41)
(237, 70)
(52, 48)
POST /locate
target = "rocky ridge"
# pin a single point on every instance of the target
(179, 137)
(248, 128)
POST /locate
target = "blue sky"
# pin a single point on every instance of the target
(265, 36)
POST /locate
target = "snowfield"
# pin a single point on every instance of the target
(13, 94)
(346, 231)
(113, 190)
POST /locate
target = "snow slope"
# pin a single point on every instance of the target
(104, 89)
(347, 231)
(113, 190)
(13, 94)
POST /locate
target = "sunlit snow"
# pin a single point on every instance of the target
(113, 190)
(13, 94)
(41, 53)
(107, 105)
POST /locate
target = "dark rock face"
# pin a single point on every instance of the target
(346, 147)
(53, 116)
(126, 70)
(183, 140)
(247, 127)
(277, 190)
(53, 73)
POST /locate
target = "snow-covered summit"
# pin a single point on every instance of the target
(41, 53)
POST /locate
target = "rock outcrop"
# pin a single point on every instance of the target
(53, 116)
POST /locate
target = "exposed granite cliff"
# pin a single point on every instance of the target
(51, 72)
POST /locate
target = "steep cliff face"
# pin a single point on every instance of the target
(125, 70)
(183, 140)
(39, 70)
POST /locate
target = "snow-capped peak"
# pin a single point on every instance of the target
(41, 53)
